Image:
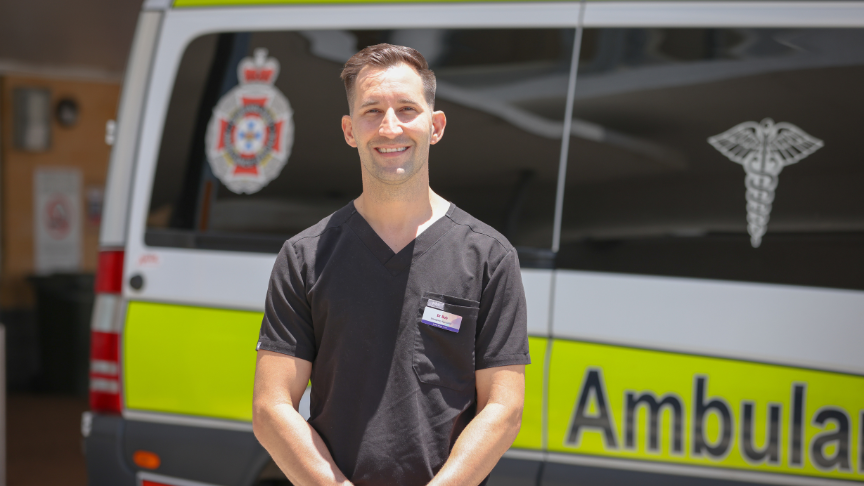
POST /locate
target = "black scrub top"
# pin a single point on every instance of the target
(392, 384)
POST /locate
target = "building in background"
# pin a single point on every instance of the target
(61, 68)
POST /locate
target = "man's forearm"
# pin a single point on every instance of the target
(296, 447)
(480, 446)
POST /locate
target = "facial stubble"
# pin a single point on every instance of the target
(384, 183)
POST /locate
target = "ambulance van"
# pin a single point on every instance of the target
(684, 182)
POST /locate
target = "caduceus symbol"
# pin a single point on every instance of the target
(763, 149)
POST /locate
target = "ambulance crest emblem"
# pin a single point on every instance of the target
(250, 135)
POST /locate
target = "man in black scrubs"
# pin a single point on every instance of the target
(407, 313)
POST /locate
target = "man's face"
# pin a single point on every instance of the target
(391, 125)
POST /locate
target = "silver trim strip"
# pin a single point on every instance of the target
(186, 420)
(157, 4)
(695, 471)
(129, 116)
(146, 476)
(103, 367)
(525, 455)
(567, 133)
(104, 385)
(724, 14)
(598, 14)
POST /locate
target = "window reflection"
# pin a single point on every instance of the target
(503, 92)
(646, 192)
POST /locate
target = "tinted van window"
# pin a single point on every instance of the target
(658, 182)
(503, 92)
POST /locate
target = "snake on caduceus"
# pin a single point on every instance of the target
(763, 149)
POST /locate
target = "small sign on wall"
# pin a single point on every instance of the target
(32, 119)
(57, 218)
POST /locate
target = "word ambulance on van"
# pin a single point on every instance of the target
(682, 181)
(720, 429)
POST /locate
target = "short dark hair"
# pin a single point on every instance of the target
(386, 55)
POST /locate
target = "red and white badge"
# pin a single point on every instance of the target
(250, 135)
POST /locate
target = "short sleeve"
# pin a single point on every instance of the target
(287, 325)
(502, 323)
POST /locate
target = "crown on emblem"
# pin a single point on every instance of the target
(260, 69)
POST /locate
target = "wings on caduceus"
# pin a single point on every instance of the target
(763, 149)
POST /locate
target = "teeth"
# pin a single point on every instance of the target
(387, 151)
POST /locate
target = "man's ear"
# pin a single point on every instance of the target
(348, 131)
(439, 121)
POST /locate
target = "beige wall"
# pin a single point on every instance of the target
(81, 146)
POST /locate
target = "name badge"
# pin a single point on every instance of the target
(439, 318)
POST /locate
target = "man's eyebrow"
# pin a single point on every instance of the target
(404, 101)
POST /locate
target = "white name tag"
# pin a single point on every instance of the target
(439, 318)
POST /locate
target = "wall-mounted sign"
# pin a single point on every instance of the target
(57, 218)
(250, 135)
(763, 149)
(32, 119)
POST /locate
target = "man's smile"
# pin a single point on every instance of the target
(390, 150)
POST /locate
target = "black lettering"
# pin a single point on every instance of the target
(726, 426)
(771, 451)
(840, 436)
(797, 435)
(603, 420)
(654, 408)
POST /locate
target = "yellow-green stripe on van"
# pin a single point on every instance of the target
(201, 361)
(190, 360)
(531, 434)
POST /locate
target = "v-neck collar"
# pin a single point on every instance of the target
(394, 262)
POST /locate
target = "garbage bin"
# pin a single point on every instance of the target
(64, 304)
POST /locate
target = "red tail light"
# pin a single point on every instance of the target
(109, 276)
(105, 372)
(105, 391)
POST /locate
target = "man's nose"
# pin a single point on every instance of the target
(390, 125)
